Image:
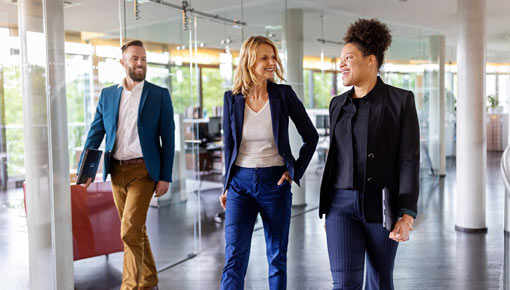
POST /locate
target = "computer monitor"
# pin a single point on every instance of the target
(322, 121)
(214, 126)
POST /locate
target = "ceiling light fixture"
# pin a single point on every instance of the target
(186, 9)
(67, 3)
(226, 41)
(273, 27)
(324, 41)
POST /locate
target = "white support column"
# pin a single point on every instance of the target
(471, 128)
(437, 105)
(41, 30)
(293, 44)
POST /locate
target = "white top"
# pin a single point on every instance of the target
(258, 148)
(127, 143)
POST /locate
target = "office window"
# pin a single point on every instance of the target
(490, 88)
(212, 91)
(13, 121)
(307, 101)
(78, 93)
(181, 90)
(158, 74)
(504, 91)
(323, 89)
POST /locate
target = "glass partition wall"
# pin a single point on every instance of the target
(169, 35)
(193, 55)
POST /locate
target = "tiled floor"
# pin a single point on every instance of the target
(436, 257)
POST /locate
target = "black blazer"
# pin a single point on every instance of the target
(393, 153)
(284, 104)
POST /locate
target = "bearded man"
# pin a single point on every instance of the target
(137, 119)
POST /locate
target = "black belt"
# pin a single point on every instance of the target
(129, 161)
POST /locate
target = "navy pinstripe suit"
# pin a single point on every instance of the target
(381, 146)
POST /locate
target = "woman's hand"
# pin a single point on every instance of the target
(402, 228)
(285, 176)
(223, 199)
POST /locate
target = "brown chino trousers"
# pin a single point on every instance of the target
(132, 191)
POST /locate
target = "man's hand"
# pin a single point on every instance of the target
(87, 184)
(161, 188)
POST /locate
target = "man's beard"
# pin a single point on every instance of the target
(136, 76)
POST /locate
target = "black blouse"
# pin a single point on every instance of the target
(351, 141)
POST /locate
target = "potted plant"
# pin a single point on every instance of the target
(493, 105)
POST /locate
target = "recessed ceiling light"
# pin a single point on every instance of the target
(73, 3)
(273, 27)
(67, 3)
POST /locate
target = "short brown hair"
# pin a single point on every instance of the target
(131, 43)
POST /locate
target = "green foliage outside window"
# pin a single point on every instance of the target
(212, 89)
(323, 89)
(14, 121)
(183, 95)
(75, 91)
(405, 81)
(306, 88)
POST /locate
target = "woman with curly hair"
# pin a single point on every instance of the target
(375, 145)
(259, 166)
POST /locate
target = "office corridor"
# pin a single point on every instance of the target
(436, 257)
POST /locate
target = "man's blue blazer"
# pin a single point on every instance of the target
(284, 104)
(155, 129)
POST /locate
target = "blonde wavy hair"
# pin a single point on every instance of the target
(244, 75)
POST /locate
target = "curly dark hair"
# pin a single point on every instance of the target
(370, 36)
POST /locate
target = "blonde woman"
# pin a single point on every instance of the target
(259, 164)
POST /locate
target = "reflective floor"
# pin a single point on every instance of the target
(436, 257)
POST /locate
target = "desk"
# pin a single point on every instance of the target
(209, 153)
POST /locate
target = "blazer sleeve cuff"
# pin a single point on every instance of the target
(407, 211)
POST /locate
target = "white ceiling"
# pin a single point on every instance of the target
(411, 22)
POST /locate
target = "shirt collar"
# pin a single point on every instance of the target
(139, 86)
(376, 90)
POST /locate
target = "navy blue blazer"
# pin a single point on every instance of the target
(284, 104)
(155, 129)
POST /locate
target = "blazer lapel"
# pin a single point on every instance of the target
(116, 104)
(238, 111)
(376, 116)
(335, 112)
(143, 98)
(274, 104)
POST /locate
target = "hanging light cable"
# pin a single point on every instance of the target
(322, 57)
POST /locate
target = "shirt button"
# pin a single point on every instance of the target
(371, 155)
(369, 179)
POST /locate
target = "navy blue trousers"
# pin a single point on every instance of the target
(253, 191)
(350, 239)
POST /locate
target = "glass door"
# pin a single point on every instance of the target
(173, 221)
